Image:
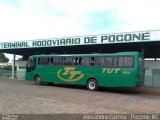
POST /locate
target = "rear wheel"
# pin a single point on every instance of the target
(92, 84)
(38, 80)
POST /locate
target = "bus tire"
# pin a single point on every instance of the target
(38, 80)
(92, 84)
(51, 83)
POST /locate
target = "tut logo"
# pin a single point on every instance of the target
(69, 74)
(110, 70)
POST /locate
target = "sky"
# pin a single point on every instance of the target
(35, 19)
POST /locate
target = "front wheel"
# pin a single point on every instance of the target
(38, 80)
(92, 85)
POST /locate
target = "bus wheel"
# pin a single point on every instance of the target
(92, 84)
(50, 83)
(38, 80)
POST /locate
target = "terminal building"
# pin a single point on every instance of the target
(147, 42)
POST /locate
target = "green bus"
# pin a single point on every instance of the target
(123, 69)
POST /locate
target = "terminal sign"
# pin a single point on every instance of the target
(80, 40)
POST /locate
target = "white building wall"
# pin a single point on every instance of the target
(150, 65)
(150, 78)
(21, 67)
(5, 64)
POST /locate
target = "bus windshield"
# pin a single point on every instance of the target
(31, 63)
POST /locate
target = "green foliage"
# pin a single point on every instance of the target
(3, 58)
(8, 67)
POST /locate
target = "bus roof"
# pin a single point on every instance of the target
(92, 54)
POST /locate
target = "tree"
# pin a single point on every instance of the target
(8, 67)
(3, 58)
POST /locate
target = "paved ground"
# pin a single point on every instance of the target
(22, 97)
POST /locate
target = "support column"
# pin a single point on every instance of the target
(14, 67)
(99, 51)
(143, 50)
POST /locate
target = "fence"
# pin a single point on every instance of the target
(5, 73)
(8, 74)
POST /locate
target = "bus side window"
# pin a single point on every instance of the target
(108, 61)
(91, 61)
(120, 62)
(99, 61)
(115, 63)
(75, 60)
(48, 61)
(56, 61)
(69, 61)
(39, 61)
(64, 61)
(128, 61)
(51, 61)
(61, 61)
(80, 61)
(43, 61)
(85, 61)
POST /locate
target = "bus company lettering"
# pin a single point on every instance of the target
(69, 74)
(110, 70)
